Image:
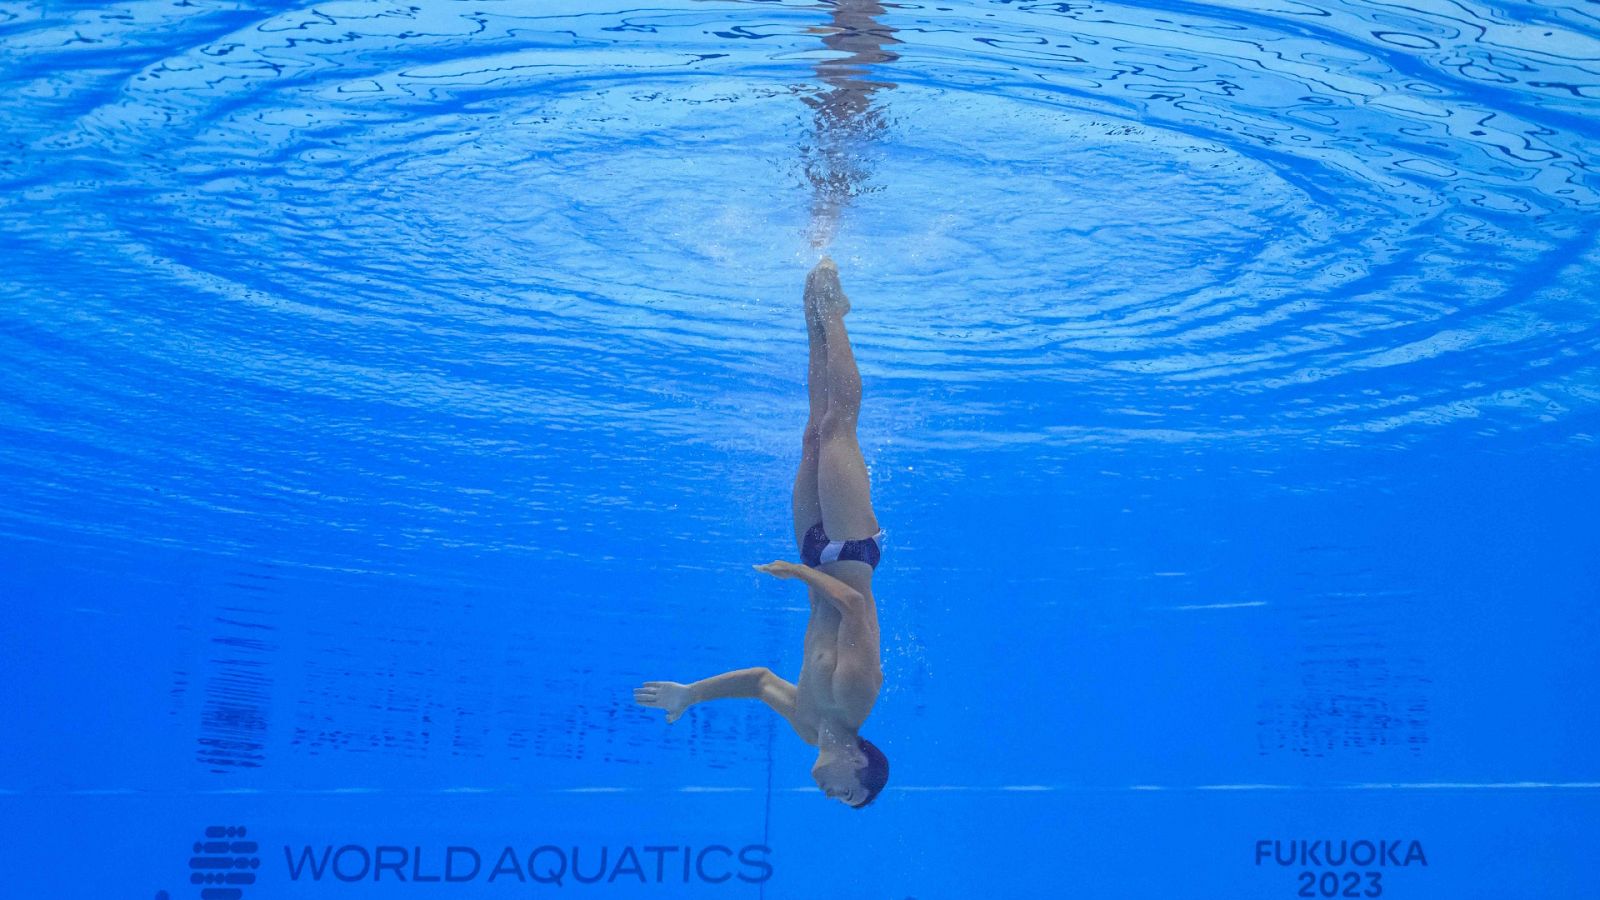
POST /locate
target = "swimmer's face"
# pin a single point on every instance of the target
(836, 776)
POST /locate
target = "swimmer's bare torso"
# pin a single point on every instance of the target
(842, 671)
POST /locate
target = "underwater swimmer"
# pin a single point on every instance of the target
(840, 543)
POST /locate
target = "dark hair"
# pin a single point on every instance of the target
(875, 774)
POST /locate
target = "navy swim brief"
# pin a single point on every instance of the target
(816, 549)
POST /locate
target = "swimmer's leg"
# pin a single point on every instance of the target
(807, 505)
(842, 484)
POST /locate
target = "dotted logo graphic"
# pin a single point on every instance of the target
(224, 862)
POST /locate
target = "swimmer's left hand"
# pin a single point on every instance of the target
(780, 569)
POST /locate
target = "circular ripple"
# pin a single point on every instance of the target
(465, 234)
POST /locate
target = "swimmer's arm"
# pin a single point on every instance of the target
(676, 698)
(759, 683)
(738, 683)
(846, 599)
(783, 697)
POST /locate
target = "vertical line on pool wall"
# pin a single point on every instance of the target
(766, 816)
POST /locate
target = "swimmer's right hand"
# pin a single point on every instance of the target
(781, 569)
(667, 695)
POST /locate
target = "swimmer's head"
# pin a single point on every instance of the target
(854, 775)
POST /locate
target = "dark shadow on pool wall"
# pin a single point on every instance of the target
(238, 685)
(845, 119)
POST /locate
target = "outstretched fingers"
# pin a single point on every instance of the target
(779, 569)
(652, 694)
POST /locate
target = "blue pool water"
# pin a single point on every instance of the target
(386, 389)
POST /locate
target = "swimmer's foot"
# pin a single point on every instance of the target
(824, 295)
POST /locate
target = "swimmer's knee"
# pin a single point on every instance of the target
(811, 438)
(837, 424)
